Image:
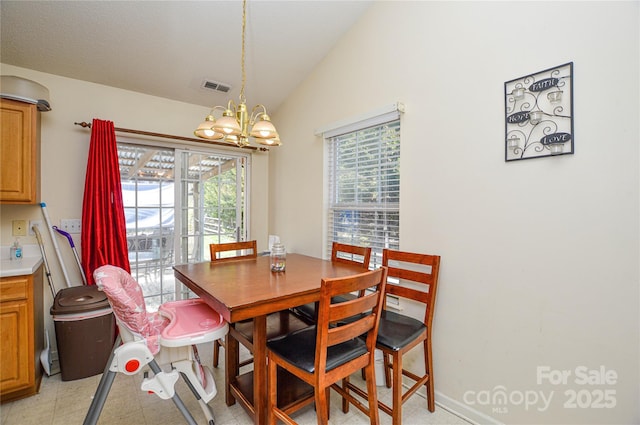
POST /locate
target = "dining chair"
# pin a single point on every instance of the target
(324, 354)
(340, 253)
(161, 346)
(414, 277)
(231, 251)
(278, 323)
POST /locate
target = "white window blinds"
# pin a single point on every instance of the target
(364, 188)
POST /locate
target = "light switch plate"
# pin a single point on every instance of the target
(71, 225)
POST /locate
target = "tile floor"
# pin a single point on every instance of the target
(66, 403)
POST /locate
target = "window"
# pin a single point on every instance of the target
(177, 202)
(364, 188)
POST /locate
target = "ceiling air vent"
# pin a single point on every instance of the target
(215, 85)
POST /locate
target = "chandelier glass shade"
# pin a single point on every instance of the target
(234, 123)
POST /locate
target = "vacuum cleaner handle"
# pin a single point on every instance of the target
(65, 234)
(73, 249)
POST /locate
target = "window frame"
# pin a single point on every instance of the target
(331, 135)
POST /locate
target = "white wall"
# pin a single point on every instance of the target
(540, 258)
(65, 147)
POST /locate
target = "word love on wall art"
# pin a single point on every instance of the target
(539, 114)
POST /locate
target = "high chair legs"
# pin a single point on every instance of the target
(177, 400)
(102, 391)
(162, 383)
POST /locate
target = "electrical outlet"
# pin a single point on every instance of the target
(38, 224)
(71, 225)
(76, 226)
(19, 227)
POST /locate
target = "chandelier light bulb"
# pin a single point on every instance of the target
(206, 131)
(228, 124)
(263, 129)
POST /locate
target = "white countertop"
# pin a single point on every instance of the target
(28, 265)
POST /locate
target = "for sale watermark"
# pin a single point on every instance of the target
(578, 388)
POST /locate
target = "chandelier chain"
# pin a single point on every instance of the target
(237, 124)
(244, 74)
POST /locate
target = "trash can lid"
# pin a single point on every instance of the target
(78, 299)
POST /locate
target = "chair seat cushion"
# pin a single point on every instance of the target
(307, 312)
(278, 324)
(299, 349)
(396, 330)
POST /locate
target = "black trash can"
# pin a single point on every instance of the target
(85, 331)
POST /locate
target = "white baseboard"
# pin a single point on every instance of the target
(463, 411)
(454, 407)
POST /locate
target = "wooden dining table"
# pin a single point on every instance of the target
(248, 289)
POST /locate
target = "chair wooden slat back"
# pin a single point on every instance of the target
(350, 254)
(416, 277)
(243, 250)
(367, 306)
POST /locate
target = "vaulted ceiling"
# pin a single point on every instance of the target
(169, 48)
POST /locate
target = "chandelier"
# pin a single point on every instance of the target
(235, 124)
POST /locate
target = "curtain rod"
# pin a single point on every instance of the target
(169, 136)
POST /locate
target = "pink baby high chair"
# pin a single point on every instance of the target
(151, 340)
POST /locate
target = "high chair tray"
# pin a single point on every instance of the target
(191, 322)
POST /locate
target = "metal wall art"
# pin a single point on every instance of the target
(539, 114)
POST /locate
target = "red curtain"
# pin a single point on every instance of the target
(104, 233)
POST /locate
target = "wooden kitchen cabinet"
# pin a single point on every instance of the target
(19, 152)
(21, 335)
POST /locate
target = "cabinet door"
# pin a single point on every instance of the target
(19, 153)
(15, 353)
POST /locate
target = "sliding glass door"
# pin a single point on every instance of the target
(213, 202)
(177, 202)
